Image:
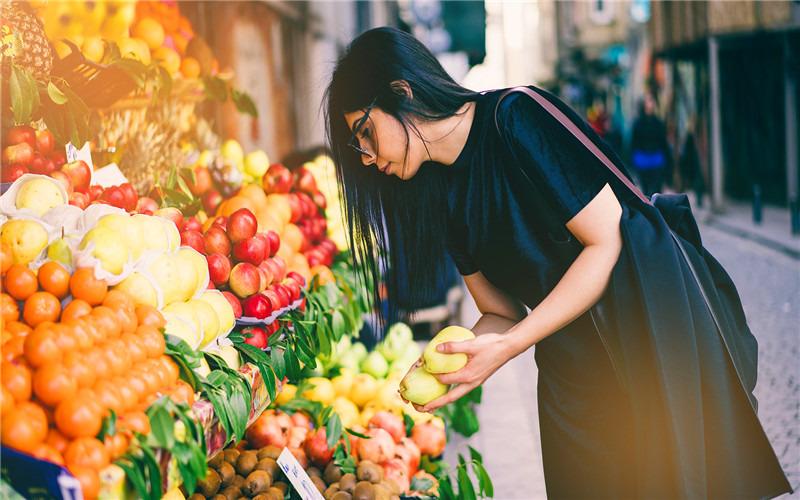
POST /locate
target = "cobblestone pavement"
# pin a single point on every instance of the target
(769, 283)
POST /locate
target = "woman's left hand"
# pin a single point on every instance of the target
(486, 353)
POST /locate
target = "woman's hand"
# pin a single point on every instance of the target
(486, 353)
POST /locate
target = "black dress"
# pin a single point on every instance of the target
(623, 412)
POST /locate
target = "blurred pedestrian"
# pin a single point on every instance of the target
(689, 167)
(640, 393)
(650, 151)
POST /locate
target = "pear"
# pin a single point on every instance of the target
(108, 247)
(154, 233)
(436, 362)
(208, 320)
(200, 265)
(187, 313)
(347, 411)
(40, 195)
(26, 239)
(182, 329)
(421, 387)
(230, 355)
(60, 251)
(222, 307)
(129, 228)
(375, 364)
(141, 289)
(176, 277)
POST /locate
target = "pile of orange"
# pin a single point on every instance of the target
(65, 369)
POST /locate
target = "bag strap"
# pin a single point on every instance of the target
(575, 131)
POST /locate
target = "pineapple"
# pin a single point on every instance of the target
(23, 40)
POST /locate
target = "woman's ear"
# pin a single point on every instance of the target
(401, 87)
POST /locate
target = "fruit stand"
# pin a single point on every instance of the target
(180, 317)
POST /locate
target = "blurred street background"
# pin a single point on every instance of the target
(698, 96)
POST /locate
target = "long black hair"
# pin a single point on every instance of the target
(396, 226)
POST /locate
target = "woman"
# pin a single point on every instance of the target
(637, 393)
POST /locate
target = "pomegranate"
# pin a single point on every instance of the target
(316, 447)
(429, 438)
(395, 470)
(408, 452)
(379, 448)
(389, 422)
(265, 431)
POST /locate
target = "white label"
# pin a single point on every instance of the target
(74, 154)
(297, 476)
(108, 176)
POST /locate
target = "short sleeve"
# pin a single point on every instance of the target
(457, 248)
(566, 172)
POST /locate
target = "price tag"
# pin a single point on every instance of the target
(108, 176)
(84, 153)
(298, 476)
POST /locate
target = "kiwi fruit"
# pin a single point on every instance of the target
(231, 455)
(269, 465)
(342, 495)
(363, 491)
(382, 492)
(347, 483)
(332, 490)
(332, 473)
(238, 481)
(197, 496)
(313, 471)
(226, 474)
(209, 486)
(246, 463)
(257, 482)
(216, 460)
(261, 496)
(281, 486)
(232, 492)
(368, 471)
(270, 451)
(319, 483)
(218, 496)
(275, 493)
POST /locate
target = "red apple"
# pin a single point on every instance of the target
(192, 224)
(316, 447)
(294, 289)
(132, 198)
(257, 306)
(221, 222)
(114, 196)
(216, 241)
(201, 182)
(59, 158)
(244, 280)
(274, 242)
(79, 174)
(309, 208)
(265, 431)
(255, 336)
(274, 298)
(96, 191)
(172, 214)
(389, 422)
(219, 268)
(211, 200)
(281, 268)
(242, 224)
(63, 179)
(264, 267)
(252, 250)
(234, 302)
(429, 438)
(296, 277)
(78, 199)
(263, 237)
(283, 293)
(265, 279)
(41, 165)
(296, 207)
(277, 179)
(13, 172)
(18, 154)
(304, 181)
(315, 258)
(193, 239)
(21, 134)
(45, 142)
(145, 205)
(319, 200)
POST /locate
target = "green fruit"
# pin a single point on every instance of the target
(60, 252)
(421, 387)
(375, 364)
(437, 362)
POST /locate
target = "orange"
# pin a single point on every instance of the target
(20, 282)
(16, 378)
(82, 372)
(6, 258)
(57, 440)
(107, 322)
(116, 445)
(89, 479)
(149, 315)
(41, 346)
(171, 369)
(118, 356)
(137, 385)
(54, 278)
(233, 204)
(83, 285)
(96, 358)
(54, 383)
(108, 396)
(75, 309)
(64, 338)
(190, 68)
(151, 380)
(40, 307)
(86, 452)
(44, 451)
(22, 428)
(149, 30)
(152, 340)
(78, 417)
(127, 396)
(133, 344)
(81, 333)
(13, 348)
(182, 393)
(6, 401)
(17, 328)
(8, 308)
(136, 421)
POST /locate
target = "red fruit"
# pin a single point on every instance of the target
(221, 222)
(255, 336)
(234, 302)
(389, 422)
(202, 181)
(242, 224)
(264, 268)
(274, 299)
(219, 268)
(263, 237)
(408, 452)
(211, 200)
(252, 250)
(300, 419)
(379, 448)
(79, 173)
(21, 134)
(41, 165)
(429, 438)
(274, 242)
(145, 205)
(265, 431)
(244, 280)
(96, 191)
(172, 214)
(193, 239)
(18, 154)
(13, 172)
(63, 179)
(396, 471)
(293, 288)
(316, 447)
(315, 258)
(281, 268)
(257, 306)
(296, 206)
(319, 200)
(277, 179)
(114, 197)
(309, 209)
(265, 279)
(80, 200)
(131, 197)
(296, 277)
(305, 181)
(216, 241)
(284, 294)
(295, 436)
(45, 142)
(59, 158)
(193, 224)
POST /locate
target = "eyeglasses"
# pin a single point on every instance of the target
(354, 141)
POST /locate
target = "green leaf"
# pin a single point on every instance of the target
(484, 481)
(135, 69)
(55, 94)
(244, 103)
(333, 430)
(409, 423)
(109, 426)
(278, 363)
(162, 427)
(465, 488)
(338, 324)
(421, 483)
(24, 94)
(356, 433)
(292, 365)
(474, 455)
(215, 88)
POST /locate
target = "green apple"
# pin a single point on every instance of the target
(256, 163)
(232, 150)
(437, 362)
(40, 195)
(421, 387)
(26, 239)
(60, 251)
(375, 364)
(108, 247)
